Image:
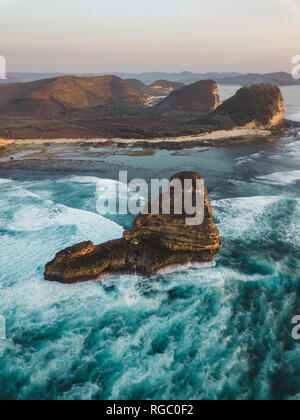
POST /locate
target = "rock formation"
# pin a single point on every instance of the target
(257, 106)
(155, 242)
(197, 98)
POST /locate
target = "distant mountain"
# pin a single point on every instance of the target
(279, 79)
(56, 97)
(28, 77)
(147, 78)
(199, 97)
(185, 77)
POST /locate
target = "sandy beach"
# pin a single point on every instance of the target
(216, 135)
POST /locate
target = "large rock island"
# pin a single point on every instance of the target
(155, 242)
(258, 106)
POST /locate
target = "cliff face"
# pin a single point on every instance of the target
(156, 241)
(260, 106)
(199, 97)
(171, 230)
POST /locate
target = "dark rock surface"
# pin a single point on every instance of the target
(155, 242)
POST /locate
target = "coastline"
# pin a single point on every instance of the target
(212, 136)
(70, 155)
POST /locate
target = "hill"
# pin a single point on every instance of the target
(199, 97)
(136, 84)
(57, 97)
(260, 106)
(158, 88)
(165, 87)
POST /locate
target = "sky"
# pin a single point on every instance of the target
(97, 36)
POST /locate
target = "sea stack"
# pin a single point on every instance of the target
(155, 242)
(198, 98)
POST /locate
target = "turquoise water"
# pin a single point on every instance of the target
(220, 332)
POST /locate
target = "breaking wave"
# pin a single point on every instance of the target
(211, 332)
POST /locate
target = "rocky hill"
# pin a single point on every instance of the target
(159, 89)
(72, 107)
(155, 242)
(260, 106)
(199, 97)
(137, 84)
(60, 96)
(165, 87)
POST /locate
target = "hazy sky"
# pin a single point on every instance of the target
(153, 35)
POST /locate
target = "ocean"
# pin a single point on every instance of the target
(218, 332)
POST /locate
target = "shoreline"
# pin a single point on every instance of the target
(213, 136)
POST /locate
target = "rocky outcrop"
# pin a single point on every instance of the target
(197, 98)
(258, 106)
(155, 242)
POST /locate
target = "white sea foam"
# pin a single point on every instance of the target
(109, 185)
(36, 214)
(4, 181)
(47, 214)
(259, 218)
(245, 159)
(279, 178)
(292, 149)
(107, 188)
(189, 336)
(38, 229)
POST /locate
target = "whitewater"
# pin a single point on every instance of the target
(222, 331)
